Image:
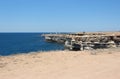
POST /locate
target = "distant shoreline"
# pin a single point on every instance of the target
(91, 52)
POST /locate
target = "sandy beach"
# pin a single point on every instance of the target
(97, 64)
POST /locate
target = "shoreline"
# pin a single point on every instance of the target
(96, 51)
(62, 65)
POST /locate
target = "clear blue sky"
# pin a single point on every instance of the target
(59, 15)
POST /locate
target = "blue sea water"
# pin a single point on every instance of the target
(16, 43)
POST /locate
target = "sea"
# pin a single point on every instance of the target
(19, 43)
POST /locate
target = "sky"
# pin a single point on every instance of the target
(59, 15)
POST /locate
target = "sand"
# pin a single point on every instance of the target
(98, 64)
